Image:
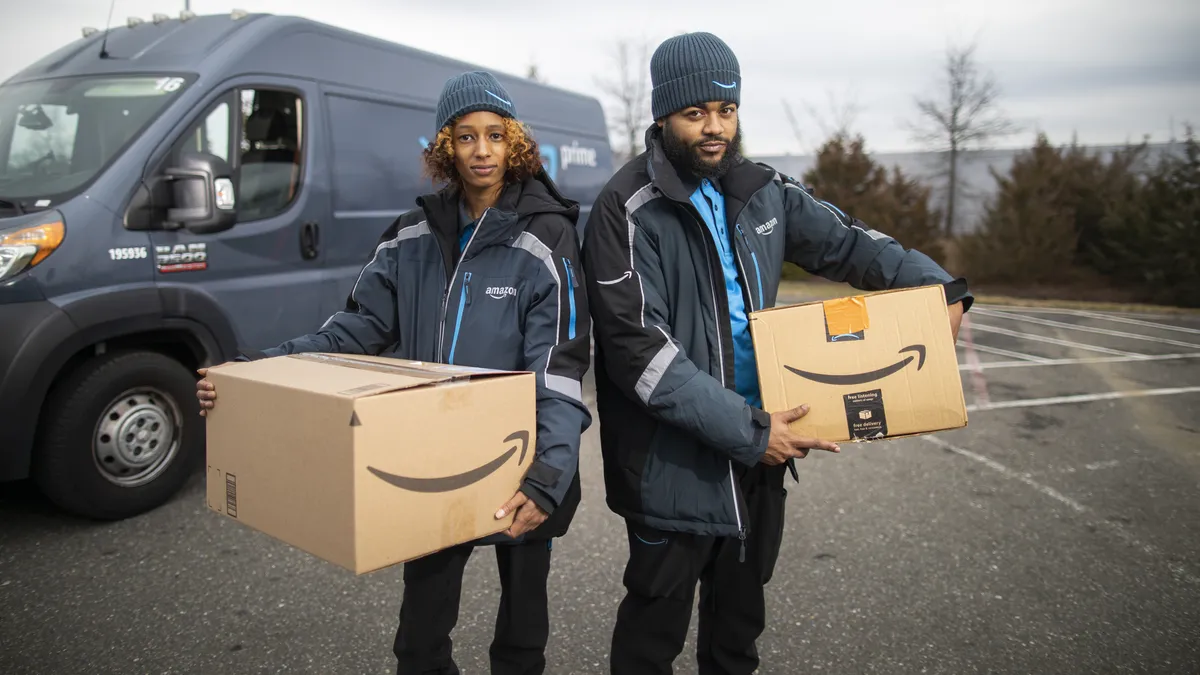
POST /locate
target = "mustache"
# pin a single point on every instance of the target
(710, 139)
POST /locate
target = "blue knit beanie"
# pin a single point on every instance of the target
(693, 69)
(472, 92)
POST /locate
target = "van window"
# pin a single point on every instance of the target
(377, 156)
(210, 136)
(271, 149)
(57, 135)
(267, 155)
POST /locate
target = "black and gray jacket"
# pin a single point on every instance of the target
(514, 300)
(672, 427)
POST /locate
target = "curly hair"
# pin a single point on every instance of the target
(523, 158)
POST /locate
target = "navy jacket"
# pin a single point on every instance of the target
(672, 427)
(513, 300)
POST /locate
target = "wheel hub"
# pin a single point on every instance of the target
(137, 436)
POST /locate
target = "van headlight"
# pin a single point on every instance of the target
(25, 247)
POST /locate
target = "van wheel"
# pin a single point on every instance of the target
(119, 435)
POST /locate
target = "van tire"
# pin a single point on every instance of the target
(97, 418)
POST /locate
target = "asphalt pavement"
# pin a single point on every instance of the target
(1058, 533)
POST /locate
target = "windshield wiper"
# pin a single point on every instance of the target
(15, 206)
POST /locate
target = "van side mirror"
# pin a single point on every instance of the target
(203, 192)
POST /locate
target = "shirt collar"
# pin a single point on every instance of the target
(464, 216)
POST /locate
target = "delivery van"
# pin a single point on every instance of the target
(174, 190)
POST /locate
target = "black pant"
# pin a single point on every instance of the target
(432, 586)
(660, 580)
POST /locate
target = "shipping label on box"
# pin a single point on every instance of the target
(872, 366)
(367, 461)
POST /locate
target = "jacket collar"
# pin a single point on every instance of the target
(518, 203)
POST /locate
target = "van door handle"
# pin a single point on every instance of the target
(310, 240)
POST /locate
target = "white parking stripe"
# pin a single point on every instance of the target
(1135, 322)
(1086, 329)
(1178, 570)
(1012, 355)
(1050, 340)
(1079, 362)
(1008, 473)
(1079, 398)
(1138, 318)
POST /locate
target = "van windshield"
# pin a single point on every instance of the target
(56, 135)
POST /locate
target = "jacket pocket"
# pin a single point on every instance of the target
(686, 481)
(487, 323)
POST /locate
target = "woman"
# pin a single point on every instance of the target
(484, 273)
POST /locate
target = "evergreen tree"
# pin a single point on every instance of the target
(1150, 232)
(1027, 234)
(846, 176)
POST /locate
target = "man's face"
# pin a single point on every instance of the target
(480, 149)
(703, 139)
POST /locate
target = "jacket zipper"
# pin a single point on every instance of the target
(757, 270)
(446, 294)
(464, 299)
(737, 253)
(737, 511)
(571, 297)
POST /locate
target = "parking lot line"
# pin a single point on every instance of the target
(1086, 329)
(1079, 362)
(1139, 317)
(1177, 570)
(1133, 322)
(1079, 398)
(1050, 340)
(1010, 354)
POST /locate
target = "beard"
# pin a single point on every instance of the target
(688, 158)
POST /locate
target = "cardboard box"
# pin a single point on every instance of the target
(871, 366)
(365, 461)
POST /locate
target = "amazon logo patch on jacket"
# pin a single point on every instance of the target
(367, 462)
(870, 367)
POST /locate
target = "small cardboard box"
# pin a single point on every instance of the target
(871, 366)
(364, 461)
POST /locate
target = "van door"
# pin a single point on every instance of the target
(266, 271)
(376, 177)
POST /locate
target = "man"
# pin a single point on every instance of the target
(684, 242)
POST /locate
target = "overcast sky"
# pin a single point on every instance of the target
(1107, 70)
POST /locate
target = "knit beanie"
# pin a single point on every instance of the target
(692, 69)
(472, 92)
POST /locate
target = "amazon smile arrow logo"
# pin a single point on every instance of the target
(457, 481)
(863, 378)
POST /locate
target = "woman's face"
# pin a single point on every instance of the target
(480, 149)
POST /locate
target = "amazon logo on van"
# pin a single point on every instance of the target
(460, 480)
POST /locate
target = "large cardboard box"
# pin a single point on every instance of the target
(364, 461)
(871, 366)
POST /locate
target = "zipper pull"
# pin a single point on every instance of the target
(570, 273)
(467, 286)
(742, 553)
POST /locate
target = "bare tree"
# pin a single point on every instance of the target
(839, 121)
(533, 74)
(795, 125)
(965, 115)
(627, 90)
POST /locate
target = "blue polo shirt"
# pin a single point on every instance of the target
(711, 204)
